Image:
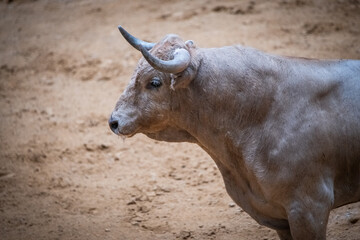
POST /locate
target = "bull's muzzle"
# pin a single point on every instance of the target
(114, 124)
(124, 123)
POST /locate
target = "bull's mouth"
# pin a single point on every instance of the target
(129, 135)
(125, 133)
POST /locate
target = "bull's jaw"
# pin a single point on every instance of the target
(171, 134)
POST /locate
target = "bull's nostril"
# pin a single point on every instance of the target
(114, 125)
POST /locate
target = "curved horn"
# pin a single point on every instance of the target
(135, 42)
(178, 64)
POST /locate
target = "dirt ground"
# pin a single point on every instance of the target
(63, 65)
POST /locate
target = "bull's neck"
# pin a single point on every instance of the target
(224, 108)
(231, 94)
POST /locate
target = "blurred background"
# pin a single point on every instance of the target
(63, 65)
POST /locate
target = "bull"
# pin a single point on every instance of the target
(284, 132)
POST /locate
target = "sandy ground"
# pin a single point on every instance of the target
(63, 65)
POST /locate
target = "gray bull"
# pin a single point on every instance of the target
(284, 132)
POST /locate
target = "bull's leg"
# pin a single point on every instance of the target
(284, 234)
(308, 221)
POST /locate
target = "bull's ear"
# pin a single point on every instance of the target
(190, 43)
(183, 79)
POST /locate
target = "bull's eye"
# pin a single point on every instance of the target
(154, 83)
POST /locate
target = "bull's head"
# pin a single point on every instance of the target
(147, 104)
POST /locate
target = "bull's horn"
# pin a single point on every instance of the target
(178, 64)
(135, 42)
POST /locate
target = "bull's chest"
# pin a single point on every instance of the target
(241, 182)
(245, 193)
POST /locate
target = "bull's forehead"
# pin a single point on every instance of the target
(143, 70)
